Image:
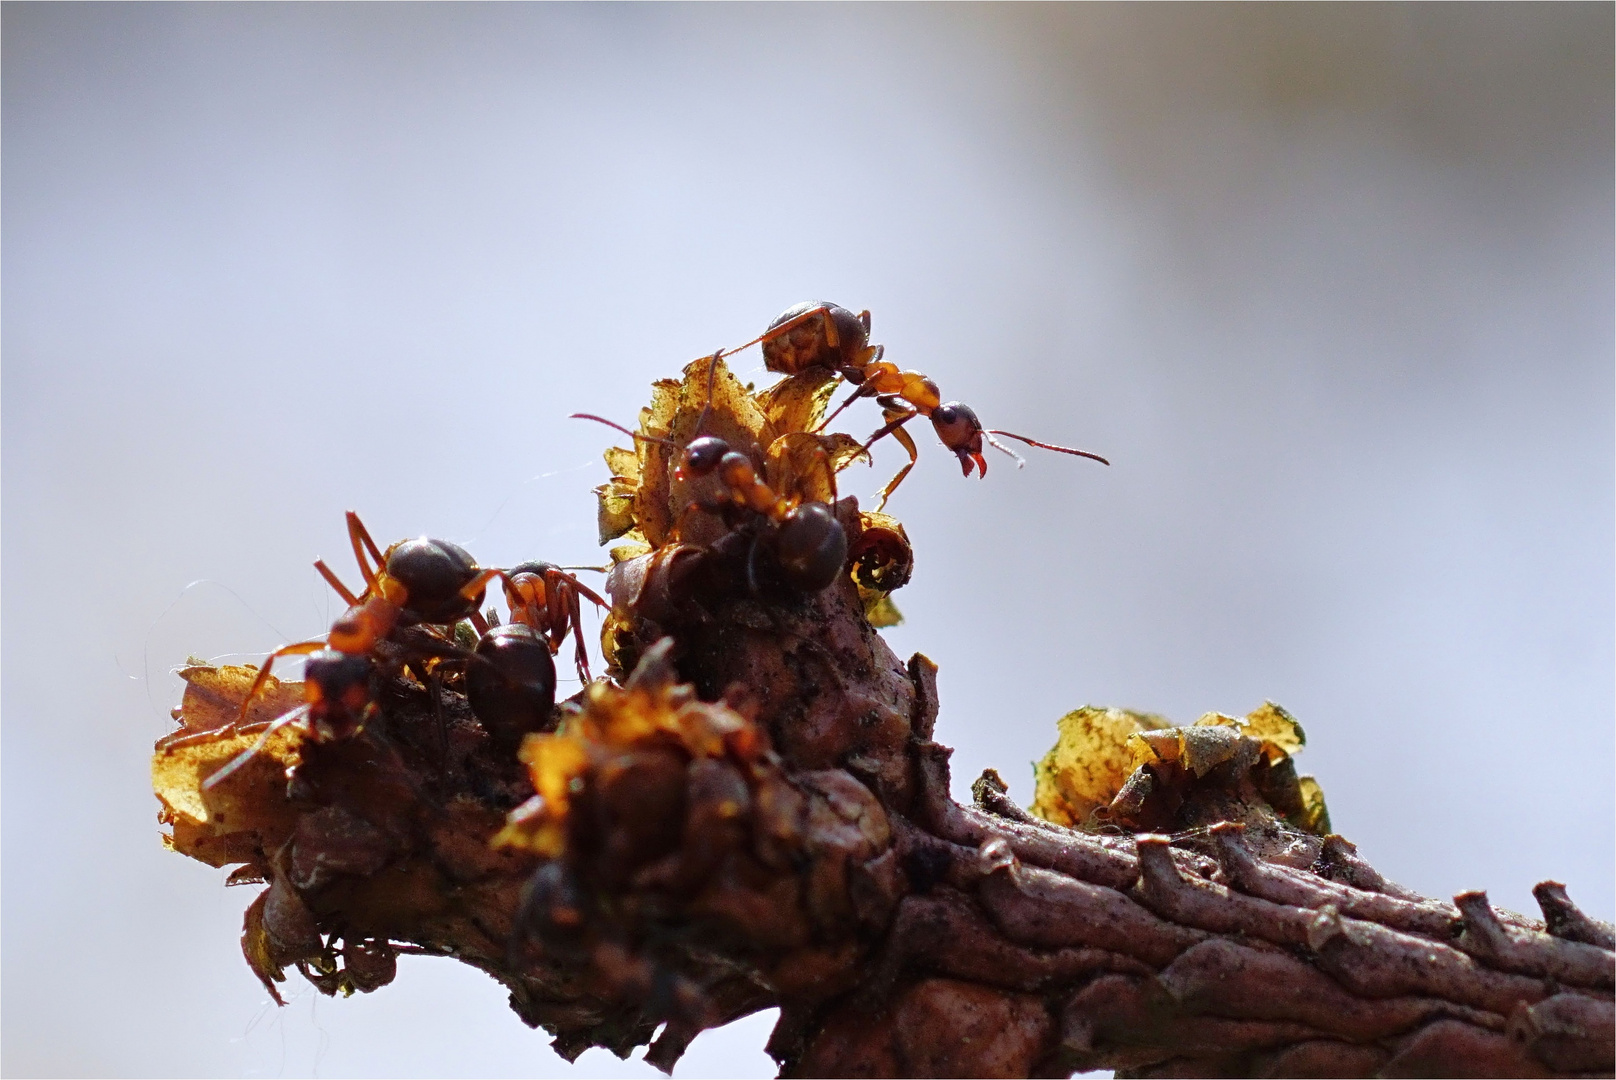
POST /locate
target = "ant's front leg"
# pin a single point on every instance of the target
(580, 653)
(302, 648)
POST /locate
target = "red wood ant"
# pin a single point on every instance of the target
(544, 598)
(415, 581)
(810, 543)
(826, 335)
(427, 582)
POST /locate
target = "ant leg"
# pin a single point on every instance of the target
(581, 655)
(336, 583)
(894, 423)
(359, 537)
(474, 588)
(908, 444)
(302, 648)
(822, 311)
(555, 611)
(478, 623)
(587, 593)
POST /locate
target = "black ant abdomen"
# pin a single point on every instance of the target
(511, 683)
(811, 546)
(434, 573)
(836, 339)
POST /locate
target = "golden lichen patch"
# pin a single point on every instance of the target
(1099, 752)
(222, 824)
(1089, 763)
(614, 721)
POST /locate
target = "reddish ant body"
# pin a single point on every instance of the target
(827, 335)
(544, 598)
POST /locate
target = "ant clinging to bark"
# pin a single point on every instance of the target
(826, 335)
(420, 584)
(809, 543)
(421, 581)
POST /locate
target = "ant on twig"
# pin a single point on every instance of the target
(417, 585)
(810, 543)
(822, 334)
(545, 598)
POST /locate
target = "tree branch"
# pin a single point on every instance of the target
(753, 813)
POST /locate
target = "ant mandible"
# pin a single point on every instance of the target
(822, 334)
(810, 543)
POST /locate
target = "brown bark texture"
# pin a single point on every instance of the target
(751, 811)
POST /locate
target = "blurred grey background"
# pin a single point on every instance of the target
(1331, 286)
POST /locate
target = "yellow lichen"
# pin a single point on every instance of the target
(1099, 752)
(614, 721)
(1089, 763)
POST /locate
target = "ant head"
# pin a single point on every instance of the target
(338, 688)
(808, 344)
(433, 572)
(702, 457)
(537, 569)
(812, 547)
(959, 429)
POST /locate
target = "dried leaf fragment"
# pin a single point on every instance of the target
(223, 824)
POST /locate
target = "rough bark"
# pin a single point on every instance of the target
(755, 813)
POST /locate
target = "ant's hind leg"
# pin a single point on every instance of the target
(359, 537)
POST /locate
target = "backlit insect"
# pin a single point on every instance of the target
(826, 335)
(545, 598)
(416, 586)
(428, 581)
(809, 543)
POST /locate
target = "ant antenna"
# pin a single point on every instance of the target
(1042, 445)
(235, 763)
(619, 427)
(1021, 462)
(707, 403)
